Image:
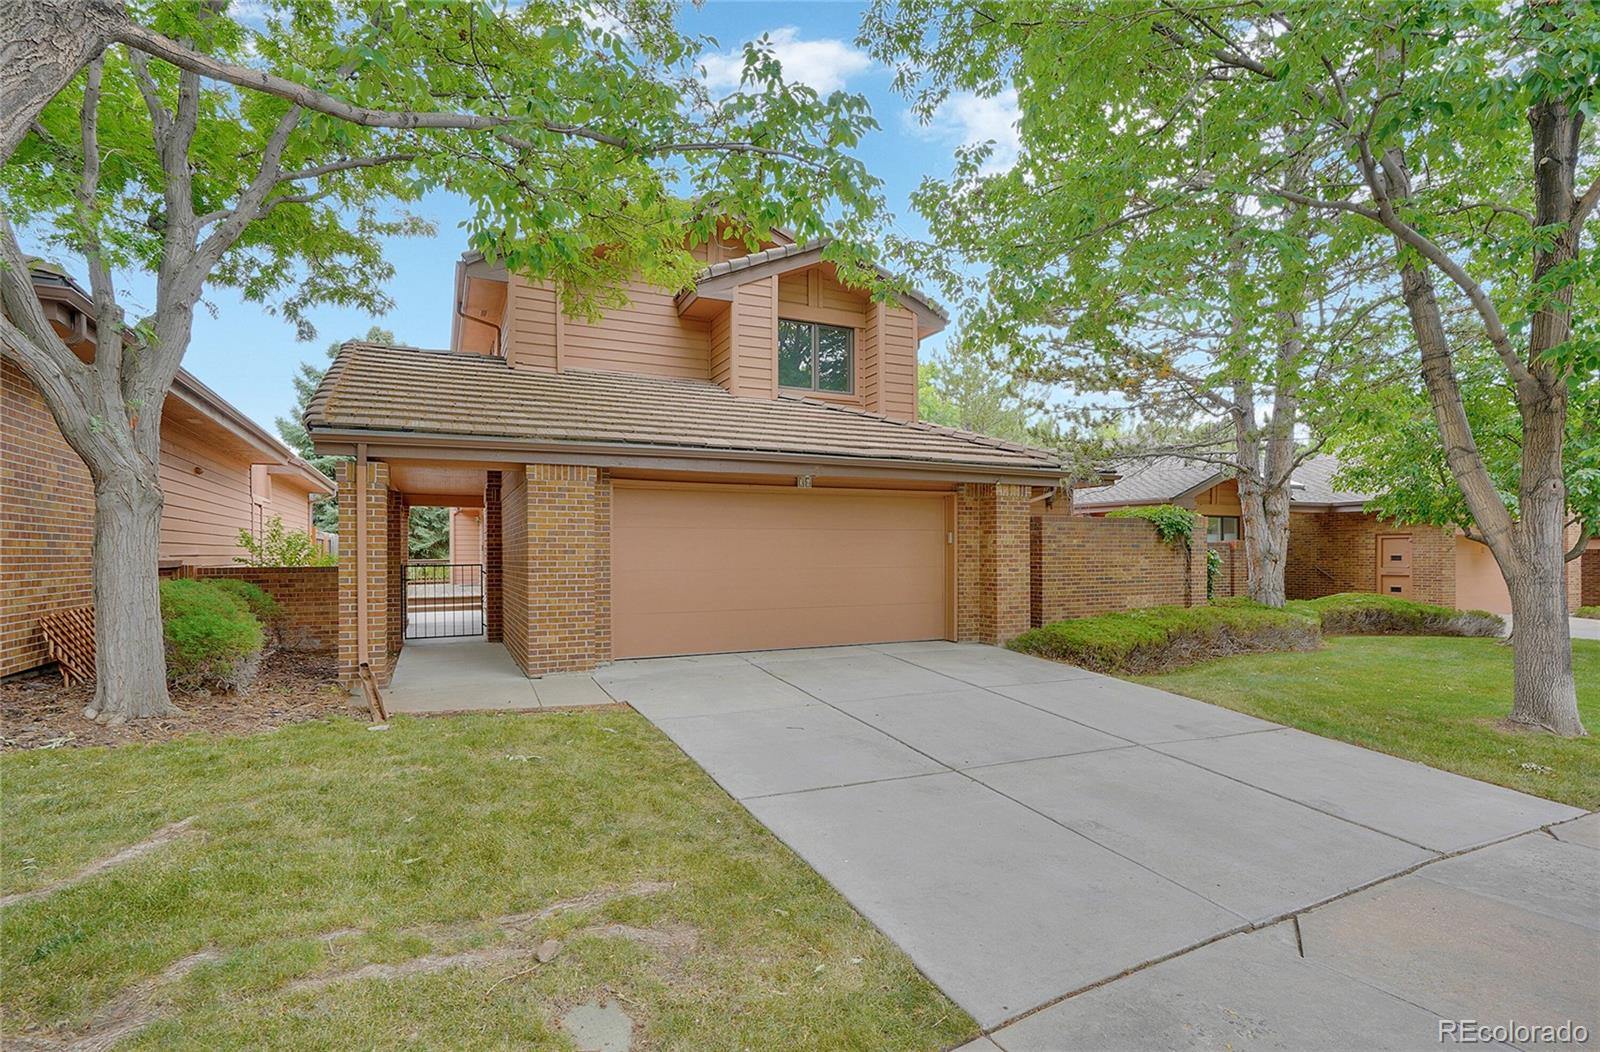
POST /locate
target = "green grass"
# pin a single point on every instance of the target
(1431, 699)
(418, 838)
(1158, 637)
(1589, 611)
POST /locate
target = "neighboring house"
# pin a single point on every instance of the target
(1334, 544)
(736, 467)
(220, 474)
(466, 536)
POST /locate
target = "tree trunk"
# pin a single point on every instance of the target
(130, 656)
(1544, 692)
(43, 45)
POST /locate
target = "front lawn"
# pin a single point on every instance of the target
(444, 852)
(1431, 699)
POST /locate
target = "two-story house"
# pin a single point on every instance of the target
(735, 467)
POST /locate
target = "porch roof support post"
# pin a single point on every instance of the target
(363, 485)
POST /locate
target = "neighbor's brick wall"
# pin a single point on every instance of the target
(1234, 579)
(1082, 566)
(46, 522)
(1336, 551)
(309, 596)
(376, 494)
(1589, 577)
(993, 578)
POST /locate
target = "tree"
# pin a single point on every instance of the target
(1448, 134)
(429, 533)
(272, 158)
(965, 388)
(292, 429)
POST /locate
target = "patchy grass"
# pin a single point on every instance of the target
(1371, 614)
(1434, 700)
(325, 848)
(1164, 637)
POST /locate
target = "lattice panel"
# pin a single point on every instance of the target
(69, 636)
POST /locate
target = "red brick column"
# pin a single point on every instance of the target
(555, 526)
(993, 579)
(375, 493)
(492, 554)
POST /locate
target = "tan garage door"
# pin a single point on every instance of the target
(698, 570)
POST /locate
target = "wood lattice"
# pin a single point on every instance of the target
(69, 636)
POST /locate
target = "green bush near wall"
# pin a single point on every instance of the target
(213, 641)
(1371, 614)
(1159, 638)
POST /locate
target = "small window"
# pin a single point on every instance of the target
(1222, 527)
(816, 357)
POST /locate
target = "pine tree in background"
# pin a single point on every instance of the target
(325, 513)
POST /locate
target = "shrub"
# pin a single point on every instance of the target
(1173, 524)
(1213, 571)
(280, 546)
(1589, 611)
(1159, 638)
(212, 639)
(261, 603)
(1371, 614)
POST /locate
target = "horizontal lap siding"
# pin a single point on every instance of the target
(755, 339)
(644, 336)
(291, 503)
(897, 354)
(531, 316)
(204, 512)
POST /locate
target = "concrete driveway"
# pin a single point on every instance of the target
(1083, 862)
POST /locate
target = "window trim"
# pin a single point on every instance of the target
(816, 336)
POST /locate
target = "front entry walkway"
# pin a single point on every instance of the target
(472, 675)
(1083, 862)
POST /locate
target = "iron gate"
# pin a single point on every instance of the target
(443, 599)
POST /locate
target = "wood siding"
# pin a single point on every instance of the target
(205, 509)
(897, 365)
(754, 336)
(530, 336)
(645, 336)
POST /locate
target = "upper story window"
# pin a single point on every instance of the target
(815, 357)
(1222, 527)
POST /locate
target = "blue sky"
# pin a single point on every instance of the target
(248, 355)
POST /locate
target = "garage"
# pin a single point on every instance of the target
(704, 569)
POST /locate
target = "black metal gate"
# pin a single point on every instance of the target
(443, 599)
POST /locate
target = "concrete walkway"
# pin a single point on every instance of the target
(1082, 862)
(471, 675)
(1577, 627)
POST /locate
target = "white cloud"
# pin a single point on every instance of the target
(966, 119)
(824, 65)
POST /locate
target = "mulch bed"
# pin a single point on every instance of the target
(39, 713)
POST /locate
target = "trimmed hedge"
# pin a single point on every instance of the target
(1160, 638)
(1371, 614)
(1589, 611)
(212, 639)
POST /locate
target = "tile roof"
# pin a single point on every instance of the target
(378, 388)
(1162, 479)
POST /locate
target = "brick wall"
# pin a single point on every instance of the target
(46, 522)
(1084, 565)
(309, 596)
(558, 582)
(1337, 551)
(514, 564)
(993, 580)
(375, 492)
(1589, 577)
(492, 553)
(1234, 579)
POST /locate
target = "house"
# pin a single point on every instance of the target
(737, 466)
(220, 473)
(1335, 545)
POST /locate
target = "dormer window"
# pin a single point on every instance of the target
(814, 357)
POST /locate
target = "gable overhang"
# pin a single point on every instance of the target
(719, 288)
(511, 450)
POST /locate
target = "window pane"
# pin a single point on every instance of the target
(1214, 528)
(833, 358)
(1230, 528)
(794, 354)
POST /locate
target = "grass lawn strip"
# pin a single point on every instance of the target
(1435, 700)
(320, 850)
